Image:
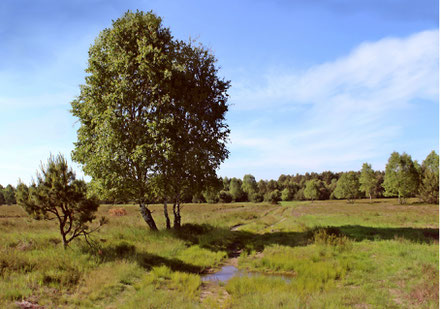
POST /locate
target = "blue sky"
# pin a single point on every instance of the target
(316, 85)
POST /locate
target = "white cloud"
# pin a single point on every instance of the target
(389, 70)
(348, 106)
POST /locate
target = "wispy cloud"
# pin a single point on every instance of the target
(351, 107)
(390, 70)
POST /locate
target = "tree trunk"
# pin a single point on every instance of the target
(177, 215)
(62, 232)
(65, 242)
(167, 218)
(147, 216)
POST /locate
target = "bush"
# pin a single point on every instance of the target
(274, 197)
(287, 194)
(299, 196)
(225, 197)
(256, 197)
(333, 237)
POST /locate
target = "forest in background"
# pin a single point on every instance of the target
(416, 180)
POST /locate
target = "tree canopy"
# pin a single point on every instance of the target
(9, 195)
(151, 112)
(429, 188)
(368, 180)
(401, 178)
(311, 190)
(347, 186)
(249, 186)
(236, 190)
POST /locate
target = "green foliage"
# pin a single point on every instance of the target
(249, 186)
(429, 188)
(2, 197)
(57, 194)
(256, 197)
(151, 113)
(401, 178)
(329, 237)
(198, 197)
(274, 197)
(368, 180)
(272, 185)
(236, 190)
(226, 184)
(262, 187)
(331, 188)
(287, 194)
(311, 190)
(225, 197)
(211, 194)
(347, 186)
(9, 195)
(195, 131)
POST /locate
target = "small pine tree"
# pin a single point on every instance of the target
(58, 195)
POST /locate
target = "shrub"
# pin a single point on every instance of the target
(225, 197)
(287, 194)
(274, 197)
(332, 237)
(256, 197)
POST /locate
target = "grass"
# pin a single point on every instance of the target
(326, 254)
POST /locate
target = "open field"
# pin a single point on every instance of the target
(334, 254)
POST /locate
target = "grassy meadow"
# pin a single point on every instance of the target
(334, 254)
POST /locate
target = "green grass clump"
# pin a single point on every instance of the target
(201, 257)
(310, 269)
(259, 292)
(162, 287)
(332, 237)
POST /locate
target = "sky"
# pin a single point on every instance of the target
(315, 84)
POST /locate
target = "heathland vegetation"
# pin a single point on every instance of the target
(332, 254)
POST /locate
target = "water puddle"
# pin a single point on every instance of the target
(223, 275)
(229, 271)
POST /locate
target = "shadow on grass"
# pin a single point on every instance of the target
(126, 251)
(222, 239)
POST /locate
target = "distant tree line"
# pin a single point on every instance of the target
(402, 178)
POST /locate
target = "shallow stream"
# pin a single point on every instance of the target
(229, 271)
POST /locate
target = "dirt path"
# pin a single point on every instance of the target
(214, 292)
